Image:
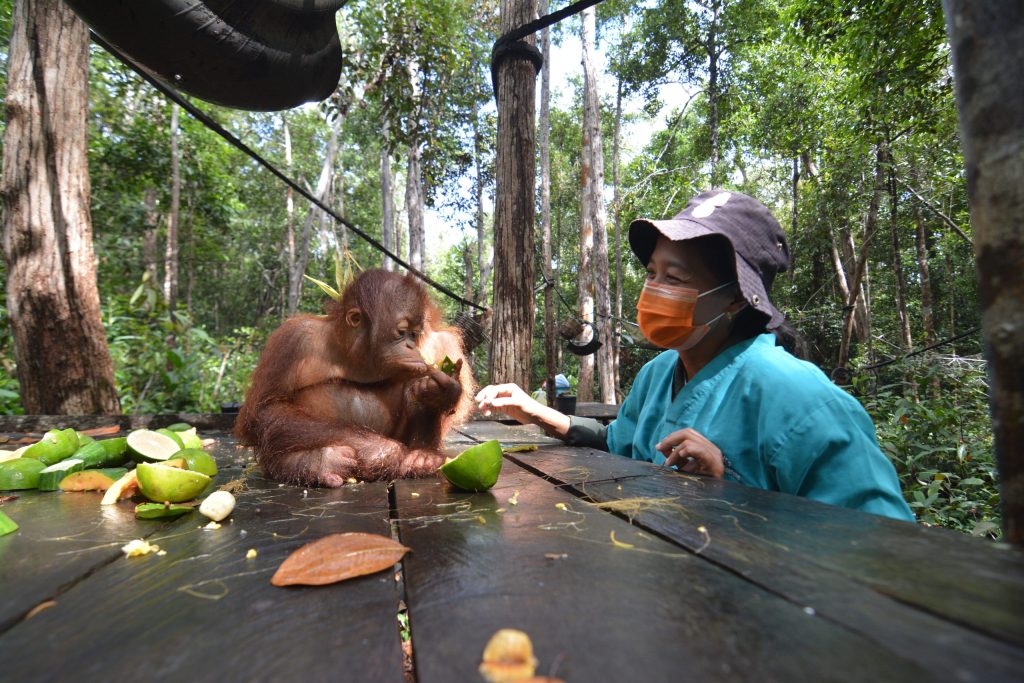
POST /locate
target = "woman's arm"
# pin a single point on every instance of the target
(517, 404)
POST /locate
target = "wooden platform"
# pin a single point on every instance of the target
(705, 581)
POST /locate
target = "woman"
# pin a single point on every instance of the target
(724, 399)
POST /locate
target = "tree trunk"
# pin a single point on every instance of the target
(149, 242)
(906, 339)
(414, 208)
(924, 274)
(713, 56)
(985, 38)
(593, 148)
(52, 299)
(387, 198)
(849, 250)
(323, 188)
(544, 136)
(484, 261)
(794, 218)
(617, 219)
(289, 226)
(870, 227)
(171, 246)
(515, 178)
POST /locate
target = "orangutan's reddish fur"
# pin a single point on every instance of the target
(349, 394)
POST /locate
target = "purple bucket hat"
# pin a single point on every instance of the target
(758, 242)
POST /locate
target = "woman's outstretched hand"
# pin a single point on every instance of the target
(692, 452)
(521, 407)
(508, 399)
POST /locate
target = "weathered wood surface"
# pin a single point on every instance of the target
(726, 583)
(203, 611)
(596, 611)
(857, 568)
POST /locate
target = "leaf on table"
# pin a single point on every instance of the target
(525, 448)
(338, 557)
(102, 431)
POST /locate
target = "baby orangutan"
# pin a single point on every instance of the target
(350, 394)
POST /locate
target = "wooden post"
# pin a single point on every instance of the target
(987, 40)
(514, 210)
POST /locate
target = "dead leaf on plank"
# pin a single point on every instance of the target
(338, 557)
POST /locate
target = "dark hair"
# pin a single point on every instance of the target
(717, 254)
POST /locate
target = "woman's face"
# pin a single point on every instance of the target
(679, 264)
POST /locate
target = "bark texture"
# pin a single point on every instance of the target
(593, 192)
(544, 135)
(987, 40)
(64, 364)
(515, 182)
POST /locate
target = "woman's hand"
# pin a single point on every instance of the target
(508, 399)
(692, 452)
(520, 406)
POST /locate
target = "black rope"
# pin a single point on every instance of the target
(205, 119)
(919, 351)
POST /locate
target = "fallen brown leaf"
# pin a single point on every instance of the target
(102, 431)
(338, 557)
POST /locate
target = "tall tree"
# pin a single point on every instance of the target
(512, 321)
(171, 245)
(387, 199)
(593, 212)
(544, 139)
(985, 37)
(52, 297)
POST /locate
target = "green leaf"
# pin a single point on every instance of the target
(331, 291)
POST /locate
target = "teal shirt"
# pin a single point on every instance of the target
(780, 424)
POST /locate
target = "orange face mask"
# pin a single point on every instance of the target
(665, 315)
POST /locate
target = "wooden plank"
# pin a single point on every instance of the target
(206, 612)
(37, 424)
(65, 536)
(606, 412)
(595, 611)
(847, 565)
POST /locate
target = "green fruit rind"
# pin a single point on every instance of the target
(145, 445)
(160, 510)
(56, 445)
(198, 460)
(94, 455)
(51, 477)
(23, 473)
(162, 484)
(116, 446)
(84, 439)
(475, 469)
(7, 525)
(180, 427)
(190, 438)
(174, 435)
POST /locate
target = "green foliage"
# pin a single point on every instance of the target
(933, 425)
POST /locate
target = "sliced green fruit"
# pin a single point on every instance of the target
(12, 455)
(95, 455)
(51, 477)
(149, 446)
(84, 439)
(125, 487)
(22, 473)
(476, 468)
(118, 446)
(160, 510)
(180, 427)
(56, 445)
(190, 438)
(447, 365)
(174, 435)
(92, 480)
(198, 460)
(7, 525)
(162, 484)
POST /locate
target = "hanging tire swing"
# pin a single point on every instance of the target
(573, 330)
(261, 55)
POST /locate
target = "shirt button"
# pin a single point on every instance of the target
(755, 299)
